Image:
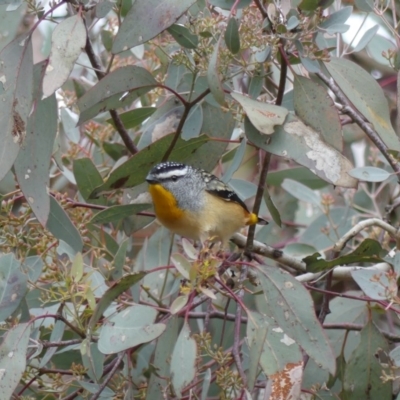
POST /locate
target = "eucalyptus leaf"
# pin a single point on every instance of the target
(262, 115)
(183, 360)
(138, 28)
(370, 174)
(232, 38)
(68, 40)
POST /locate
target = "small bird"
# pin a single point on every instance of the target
(196, 204)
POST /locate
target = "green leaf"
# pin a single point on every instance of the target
(13, 355)
(132, 326)
(232, 38)
(262, 115)
(16, 86)
(309, 5)
(290, 305)
(214, 81)
(299, 142)
(138, 28)
(32, 163)
(362, 377)
(116, 213)
(13, 285)
(366, 95)
(87, 178)
(115, 150)
(133, 118)
(183, 36)
(61, 226)
(109, 92)
(183, 360)
(301, 192)
(368, 251)
(316, 108)
(370, 174)
(69, 120)
(67, 41)
(111, 294)
(119, 260)
(141, 162)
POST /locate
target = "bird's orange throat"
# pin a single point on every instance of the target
(165, 205)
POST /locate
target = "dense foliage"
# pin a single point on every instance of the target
(293, 103)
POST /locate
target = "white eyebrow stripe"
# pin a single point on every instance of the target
(173, 172)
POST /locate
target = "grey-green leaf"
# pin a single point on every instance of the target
(214, 81)
(370, 174)
(141, 162)
(61, 226)
(33, 161)
(146, 19)
(130, 327)
(68, 40)
(87, 178)
(16, 88)
(135, 117)
(232, 38)
(301, 143)
(183, 360)
(301, 192)
(183, 36)
(367, 37)
(13, 353)
(291, 306)
(316, 108)
(110, 92)
(13, 285)
(362, 377)
(366, 95)
(116, 213)
(262, 115)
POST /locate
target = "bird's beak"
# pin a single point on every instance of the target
(151, 179)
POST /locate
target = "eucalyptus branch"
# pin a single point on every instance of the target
(96, 64)
(269, 252)
(344, 273)
(359, 119)
(339, 245)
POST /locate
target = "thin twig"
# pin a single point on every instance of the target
(359, 119)
(96, 64)
(109, 376)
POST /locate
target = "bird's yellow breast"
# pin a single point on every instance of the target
(165, 204)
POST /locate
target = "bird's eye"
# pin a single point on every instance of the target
(174, 178)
